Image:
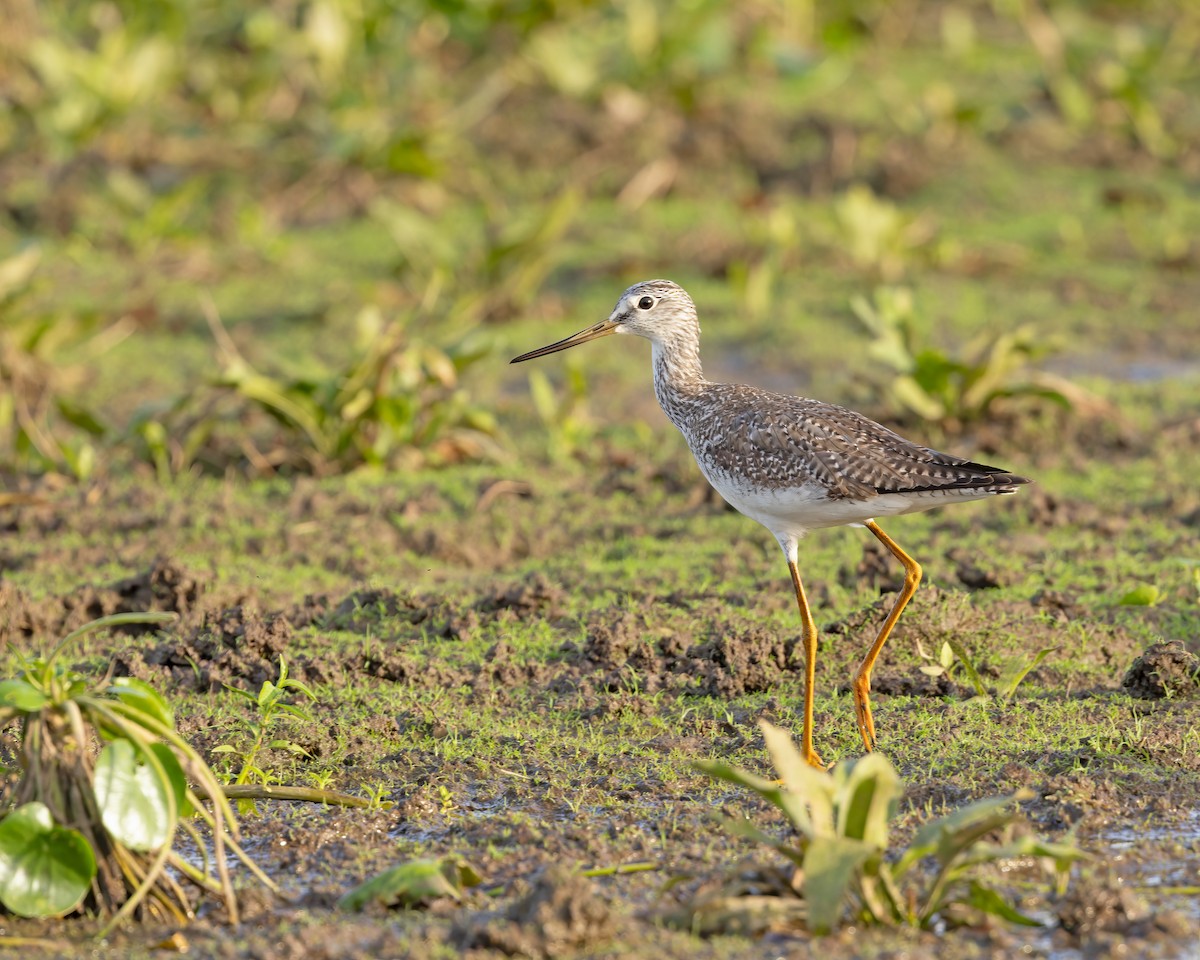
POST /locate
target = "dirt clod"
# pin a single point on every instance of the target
(364, 610)
(914, 683)
(237, 645)
(534, 595)
(969, 573)
(1093, 906)
(1164, 670)
(747, 661)
(560, 914)
(163, 586)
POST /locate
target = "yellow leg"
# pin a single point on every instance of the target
(809, 638)
(862, 679)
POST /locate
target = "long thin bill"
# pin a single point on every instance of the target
(602, 329)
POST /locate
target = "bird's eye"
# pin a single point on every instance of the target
(645, 303)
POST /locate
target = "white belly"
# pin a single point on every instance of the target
(791, 512)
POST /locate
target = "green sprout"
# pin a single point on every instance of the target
(272, 707)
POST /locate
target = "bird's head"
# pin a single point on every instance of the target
(658, 310)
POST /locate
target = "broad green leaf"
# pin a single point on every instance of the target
(22, 695)
(929, 838)
(744, 828)
(300, 685)
(868, 799)
(45, 869)
(792, 805)
(1063, 854)
(266, 693)
(175, 777)
(737, 776)
(989, 901)
(412, 883)
(136, 798)
(829, 867)
(289, 746)
(80, 416)
(542, 393)
(292, 711)
(1145, 595)
(912, 395)
(811, 786)
(143, 698)
(953, 844)
(252, 697)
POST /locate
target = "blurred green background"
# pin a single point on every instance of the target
(306, 236)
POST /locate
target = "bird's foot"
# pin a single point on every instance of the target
(813, 760)
(862, 709)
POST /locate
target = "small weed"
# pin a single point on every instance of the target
(1117, 87)
(270, 702)
(321, 779)
(1015, 670)
(1012, 673)
(841, 855)
(943, 663)
(377, 795)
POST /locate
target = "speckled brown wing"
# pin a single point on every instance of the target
(779, 441)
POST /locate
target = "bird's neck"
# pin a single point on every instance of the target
(678, 377)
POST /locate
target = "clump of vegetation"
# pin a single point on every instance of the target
(927, 382)
(41, 428)
(99, 831)
(564, 414)
(397, 402)
(843, 864)
(1116, 89)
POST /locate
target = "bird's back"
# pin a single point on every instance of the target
(776, 442)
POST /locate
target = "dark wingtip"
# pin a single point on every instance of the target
(999, 476)
(979, 477)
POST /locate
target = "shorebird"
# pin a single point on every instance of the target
(791, 463)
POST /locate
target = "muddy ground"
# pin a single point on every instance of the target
(536, 713)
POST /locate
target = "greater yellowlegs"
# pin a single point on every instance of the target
(791, 463)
